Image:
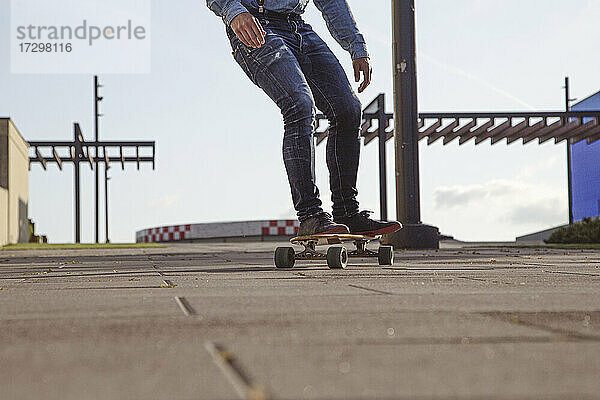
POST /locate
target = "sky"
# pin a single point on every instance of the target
(218, 137)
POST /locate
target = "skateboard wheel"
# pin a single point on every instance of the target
(337, 257)
(386, 255)
(285, 257)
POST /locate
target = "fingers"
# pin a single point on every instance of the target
(257, 33)
(248, 30)
(264, 33)
(356, 72)
(245, 38)
(366, 70)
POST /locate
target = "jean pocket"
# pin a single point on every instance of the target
(242, 60)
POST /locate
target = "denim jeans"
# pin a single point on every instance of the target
(298, 71)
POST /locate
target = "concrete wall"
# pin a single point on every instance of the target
(538, 236)
(3, 216)
(14, 181)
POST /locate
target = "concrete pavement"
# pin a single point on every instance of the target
(218, 321)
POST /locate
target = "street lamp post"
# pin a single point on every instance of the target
(106, 179)
(414, 234)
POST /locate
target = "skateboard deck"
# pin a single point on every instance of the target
(331, 238)
(336, 256)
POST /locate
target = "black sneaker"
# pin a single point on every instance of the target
(320, 224)
(361, 224)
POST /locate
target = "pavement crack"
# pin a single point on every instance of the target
(185, 306)
(371, 290)
(228, 364)
(571, 273)
(484, 280)
(515, 319)
(166, 282)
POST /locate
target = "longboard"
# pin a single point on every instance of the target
(336, 256)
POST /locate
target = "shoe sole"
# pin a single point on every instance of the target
(382, 231)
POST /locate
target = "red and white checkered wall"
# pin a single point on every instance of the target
(284, 227)
(164, 234)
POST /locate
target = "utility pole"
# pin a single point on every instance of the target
(570, 189)
(382, 125)
(97, 100)
(106, 178)
(76, 156)
(414, 233)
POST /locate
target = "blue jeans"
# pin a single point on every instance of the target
(298, 71)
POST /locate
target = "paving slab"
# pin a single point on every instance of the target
(219, 321)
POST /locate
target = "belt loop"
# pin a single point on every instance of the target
(261, 6)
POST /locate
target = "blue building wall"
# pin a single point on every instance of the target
(585, 169)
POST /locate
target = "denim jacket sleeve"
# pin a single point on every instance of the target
(226, 9)
(342, 26)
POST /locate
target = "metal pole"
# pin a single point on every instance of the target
(106, 178)
(405, 113)
(96, 187)
(414, 234)
(77, 203)
(382, 159)
(569, 190)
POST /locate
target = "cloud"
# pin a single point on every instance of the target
(537, 213)
(463, 195)
(516, 201)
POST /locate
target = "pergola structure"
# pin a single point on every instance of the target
(410, 126)
(510, 127)
(79, 151)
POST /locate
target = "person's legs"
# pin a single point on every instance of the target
(336, 99)
(274, 68)
(334, 96)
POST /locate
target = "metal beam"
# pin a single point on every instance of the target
(594, 137)
(96, 188)
(577, 132)
(474, 133)
(589, 135)
(560, 131)
(430, 129)
(80, 151)
(109, 143)
(142, 159)
(86, 156)
(122, 159)
(459, 132)
(443, 132)
(536, 114)
(321, 136)
(525, 132)
(510, 131)
(40, 158)
(494, 131)
(545, 130)
(57, 158)
(76, 151)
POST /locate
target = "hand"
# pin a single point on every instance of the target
(248, 30)
(362, 64)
